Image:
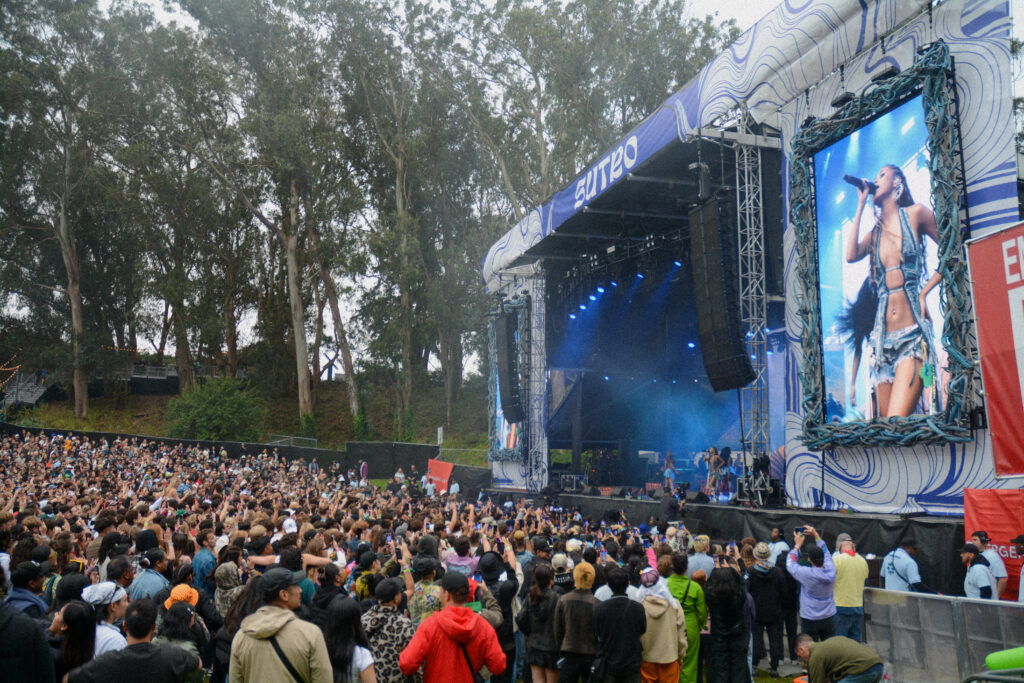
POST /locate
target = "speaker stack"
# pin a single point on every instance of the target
(509, 385)
(713, 257)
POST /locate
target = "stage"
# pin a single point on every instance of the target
(938, 538)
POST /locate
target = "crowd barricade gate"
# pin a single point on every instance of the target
(924, 638)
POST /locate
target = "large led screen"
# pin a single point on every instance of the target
(877, 261)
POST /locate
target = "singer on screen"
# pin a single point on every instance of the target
(901, 333)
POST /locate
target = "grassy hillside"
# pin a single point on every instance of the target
(334, 425)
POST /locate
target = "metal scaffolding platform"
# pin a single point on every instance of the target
(754, 413)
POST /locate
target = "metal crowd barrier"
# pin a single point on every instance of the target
(935, 638)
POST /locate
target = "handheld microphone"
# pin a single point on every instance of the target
(860, 183)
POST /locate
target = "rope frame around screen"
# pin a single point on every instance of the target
(932, 73)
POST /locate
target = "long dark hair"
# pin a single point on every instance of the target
(177, 622)
(723, 583)
(543, 575)
(343, 632)
(248, 600)
(857, 318)
(80, 637)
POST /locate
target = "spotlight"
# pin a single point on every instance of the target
(678, 263)
(691, 345)
(600, 290)
(572, 316)
(614, 283)
(640, 276)
(888, 72)
(593, 298)
(583, 307)
(753, 356)
(673, 381)
(606, 378)
(750, 335)
(655, 380)
(842, 99)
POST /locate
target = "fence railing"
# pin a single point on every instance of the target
(935, 638)
(285, 440)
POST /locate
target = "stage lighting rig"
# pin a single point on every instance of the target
(888, 72)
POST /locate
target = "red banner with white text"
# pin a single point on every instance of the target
(997, 285)
(1001, 515)
(439, 472)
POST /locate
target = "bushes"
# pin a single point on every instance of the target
(217, 410)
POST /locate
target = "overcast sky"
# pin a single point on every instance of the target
(745, 12)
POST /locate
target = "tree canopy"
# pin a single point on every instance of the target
(281, 185)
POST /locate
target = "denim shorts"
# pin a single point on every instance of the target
(899, 345)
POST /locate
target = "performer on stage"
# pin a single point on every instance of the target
(901, 332)
(716, 467)
(670, 471)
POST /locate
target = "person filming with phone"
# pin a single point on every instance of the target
(817, 582)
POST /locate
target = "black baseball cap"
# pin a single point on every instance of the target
(969, 548)
(983, 535)
(277, 579)
(1018, 539)
(386, 590)
(367, 559)
(29, 571)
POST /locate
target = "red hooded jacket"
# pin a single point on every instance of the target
(436, 646)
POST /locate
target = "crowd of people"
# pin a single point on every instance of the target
(131, 560)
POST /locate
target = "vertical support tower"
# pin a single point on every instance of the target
(752, 288)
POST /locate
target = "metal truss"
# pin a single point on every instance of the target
(752, 289)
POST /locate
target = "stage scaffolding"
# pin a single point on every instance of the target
(753, 290)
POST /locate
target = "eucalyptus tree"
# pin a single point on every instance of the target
(290, 124)
(548, 86)
(58, 108)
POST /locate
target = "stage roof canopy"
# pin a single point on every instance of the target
(645, 178)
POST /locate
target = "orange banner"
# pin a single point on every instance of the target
(1001, 514)
(439, 473)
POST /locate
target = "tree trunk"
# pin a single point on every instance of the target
(69, 254)
(165, 328)
(318, 338)
(291, 245)
(80, 378)
(339, 327)
(231, 335)
(182, 353)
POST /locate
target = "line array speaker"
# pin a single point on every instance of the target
(505, 326)
(713, 257)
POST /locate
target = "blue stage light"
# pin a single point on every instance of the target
(572, 316)
(753, 356)
(606, 378)
(640, 276)
(673, 381)
(593, 298)
(750, 335)
(600, 290)
(614, 283)
(655, 380)
(691, 345)
(583, 307)
(677, 263)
